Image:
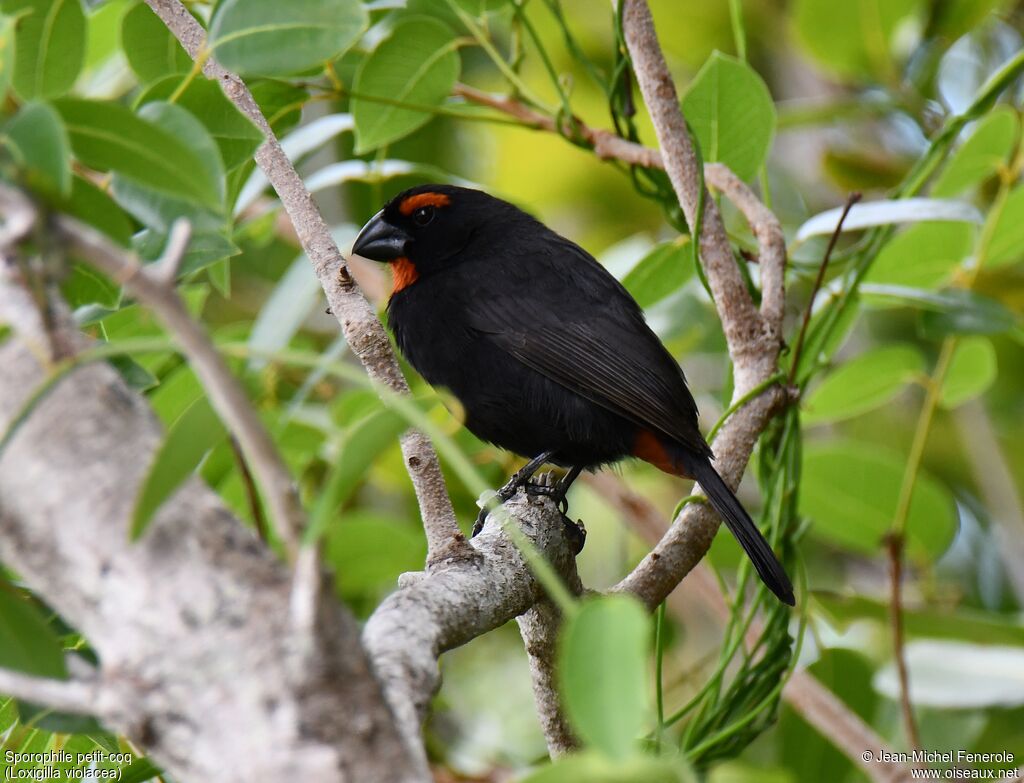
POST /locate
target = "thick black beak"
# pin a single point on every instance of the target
(379, 240)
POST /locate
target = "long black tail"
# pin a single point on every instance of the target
(742, 526)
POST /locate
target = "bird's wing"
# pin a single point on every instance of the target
(591, 338)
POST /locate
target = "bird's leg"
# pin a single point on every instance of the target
(560, 490)
(576, 531)
(519, 478)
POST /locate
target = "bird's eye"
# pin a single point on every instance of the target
(423, 216)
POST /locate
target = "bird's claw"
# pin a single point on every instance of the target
(576, 533)
(545, 485)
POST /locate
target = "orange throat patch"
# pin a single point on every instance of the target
(403, 273)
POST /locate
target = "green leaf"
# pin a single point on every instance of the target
(151, 49)
(660, 273)
(595, 768)
(236, 137)
(194, 433)
(186, 128)
(107, 136)
(732, 114)
(852, 40)
(219, 274)
(92, 205)
(205, 247)
(972, 370)
(8, 26)
(363, 443)
(850, 491)
(821, 349)
(286, 309)
(158, 210)
(417, 64)
(133, 373)
(986, 149)
(1007, 245)
(369, 552)
(280, 103)
(85, 286)
(49, 45)
(139, 771)
(886, 212)
(863, 384)
(949, 311)
(27, 643)
(952, 20)
(933, 622)
(603, 662)
(923, 256)
(268, 37)
(41, 141)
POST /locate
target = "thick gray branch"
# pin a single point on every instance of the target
(455, 602)
(199, 662)
(360, 325)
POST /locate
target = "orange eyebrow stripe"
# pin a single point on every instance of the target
(412, 203)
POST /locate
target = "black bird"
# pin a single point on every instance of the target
(549, 356)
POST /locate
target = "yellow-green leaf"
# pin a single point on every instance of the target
(417, 65)
(49, 45)
(271, 37)
(863, 384)
(972, 370)
(603, 672)
(194, 433)
(732, 114)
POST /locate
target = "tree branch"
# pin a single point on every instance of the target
(78, 697)
(454, 602)
(360, 325)
(754, 341)
(200, 662)
(155, 289)
(539, 629)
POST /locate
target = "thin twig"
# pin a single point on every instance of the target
(894, 544)
(852, 199)
(252, 494)
(77, 697)
(226, 393)
(168, 265)
(359, 323)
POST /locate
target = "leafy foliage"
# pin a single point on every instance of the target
(907, 394)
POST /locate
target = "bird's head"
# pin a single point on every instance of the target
(425, 228)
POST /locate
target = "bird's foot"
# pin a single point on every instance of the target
(545, 485)
(502, 496)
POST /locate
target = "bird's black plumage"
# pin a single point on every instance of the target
(543, 348)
